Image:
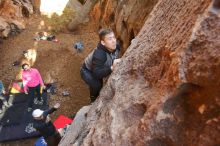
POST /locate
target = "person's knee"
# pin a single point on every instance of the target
(96, 87)
(93, 98)
(90, 80)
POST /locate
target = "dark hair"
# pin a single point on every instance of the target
(22, 66)
(103, 33)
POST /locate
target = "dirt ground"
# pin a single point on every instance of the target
(57, 62)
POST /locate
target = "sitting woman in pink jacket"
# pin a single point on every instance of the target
(32, 83)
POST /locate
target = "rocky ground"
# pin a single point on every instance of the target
(57, 62)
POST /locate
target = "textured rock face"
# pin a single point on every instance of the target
(36, 5)
(126, 17)
(166, 89)
(81, 15)
(12, 13)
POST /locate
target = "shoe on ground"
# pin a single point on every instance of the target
(29, 109)
(10, 104)
(7, 104)
(40, 102)
(3, 106)
(35, 101)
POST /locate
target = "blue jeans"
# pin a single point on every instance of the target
(95, 85)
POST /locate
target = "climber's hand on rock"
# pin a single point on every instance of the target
(115, 62)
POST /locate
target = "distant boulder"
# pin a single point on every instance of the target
(12, 14)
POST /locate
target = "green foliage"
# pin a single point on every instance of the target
(58, 23)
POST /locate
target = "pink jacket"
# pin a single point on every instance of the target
(31, 78)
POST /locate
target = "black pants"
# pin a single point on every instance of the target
(95, 85)
(31, 93)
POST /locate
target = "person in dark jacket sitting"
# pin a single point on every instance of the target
(43, 124)
(2, 98)
(100, 62)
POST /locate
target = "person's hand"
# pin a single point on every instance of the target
(3, 91)
(115, 62)
(57, 105)
(47, 119)
(44, 87)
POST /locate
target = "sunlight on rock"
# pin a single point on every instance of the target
(42, 23)
(49, 7)
(202, 108)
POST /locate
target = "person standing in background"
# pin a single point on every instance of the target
(32, 82)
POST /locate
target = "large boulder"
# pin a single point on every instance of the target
(12, 14)
(81, 12)
(4, 27)
(166, 89)
(75, 5)
(16, 8)
(36, 5)
(125, 17)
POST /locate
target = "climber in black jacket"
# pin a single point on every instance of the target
(43, 124)
(100, 62)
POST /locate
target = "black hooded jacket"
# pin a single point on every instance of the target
(100, 60)
(46, 128)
